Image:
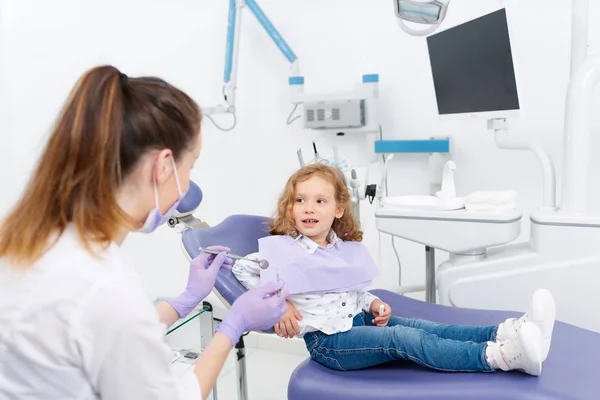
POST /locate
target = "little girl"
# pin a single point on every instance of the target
(316, 240)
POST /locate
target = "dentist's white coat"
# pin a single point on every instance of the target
(79, 327)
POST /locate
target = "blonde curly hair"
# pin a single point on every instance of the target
(346, 227)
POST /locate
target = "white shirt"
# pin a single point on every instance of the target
(329, 313)
(77, 327)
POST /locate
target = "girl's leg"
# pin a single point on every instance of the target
(463, 333)
(366, 346)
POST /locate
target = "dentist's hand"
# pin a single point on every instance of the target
(257, 309)
(201, 279)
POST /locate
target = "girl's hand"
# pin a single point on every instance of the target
(380, 320)
(289, 323)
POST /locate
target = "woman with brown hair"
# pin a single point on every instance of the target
(74, 320)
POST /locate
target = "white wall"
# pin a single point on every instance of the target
(45, 46)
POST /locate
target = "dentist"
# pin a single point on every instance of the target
(74, 320)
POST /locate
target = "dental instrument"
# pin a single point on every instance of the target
(315, 150)
(300, 158)
(263, 264)
(336, 157)
(356, 196)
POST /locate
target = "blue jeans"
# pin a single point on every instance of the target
(438, 346)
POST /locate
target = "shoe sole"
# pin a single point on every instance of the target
(531, 337)
(543, 309)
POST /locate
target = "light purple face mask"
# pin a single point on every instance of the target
(155, 218)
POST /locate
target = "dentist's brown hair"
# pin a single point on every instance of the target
(107, 124)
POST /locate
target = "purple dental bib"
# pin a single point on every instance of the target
(343, 267)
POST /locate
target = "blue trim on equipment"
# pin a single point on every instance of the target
(296, 80)
(413, 146)
(370, 78)
(275, 35)
(230, 37)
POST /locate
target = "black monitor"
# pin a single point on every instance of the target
(472, 67)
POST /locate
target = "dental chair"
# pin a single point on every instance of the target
(570, 371)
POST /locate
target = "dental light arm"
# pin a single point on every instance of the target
(352, 111)
(232, 54)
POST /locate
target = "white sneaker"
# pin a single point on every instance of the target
(541, 312)
(522, 352)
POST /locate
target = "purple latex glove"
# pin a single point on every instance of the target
(201, 279)
(257, 309)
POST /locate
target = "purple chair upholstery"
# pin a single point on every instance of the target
(238, 232)
(191, 200)
(568, 373)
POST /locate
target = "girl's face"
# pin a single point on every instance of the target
(315, 208)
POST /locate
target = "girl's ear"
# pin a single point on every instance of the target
(339, 211)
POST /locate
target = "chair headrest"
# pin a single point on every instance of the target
(190, 201)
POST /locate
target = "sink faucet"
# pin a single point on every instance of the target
(448, 189)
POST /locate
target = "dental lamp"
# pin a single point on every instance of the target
(424, 12)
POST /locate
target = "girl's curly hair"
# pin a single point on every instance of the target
(346, 227)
